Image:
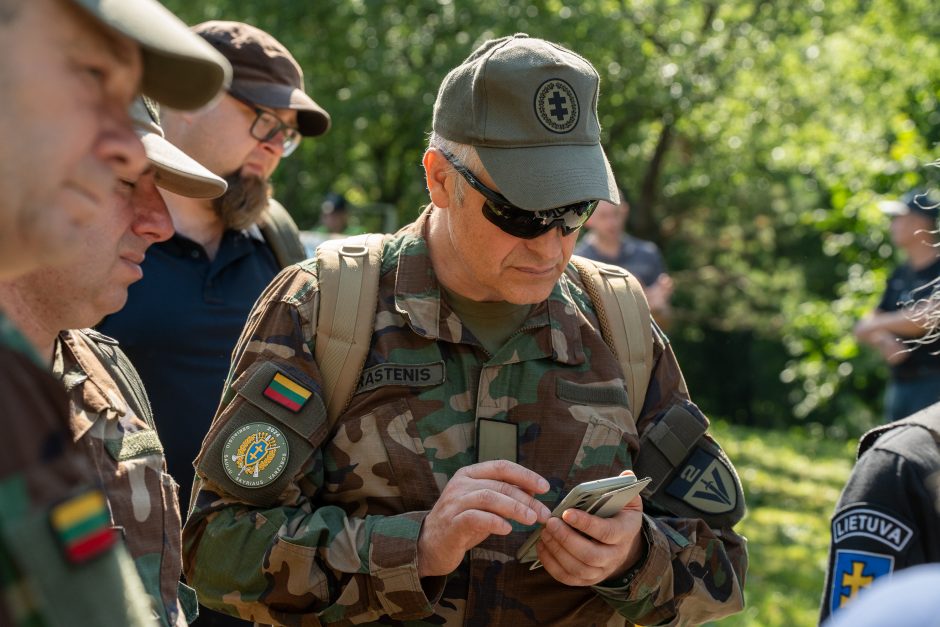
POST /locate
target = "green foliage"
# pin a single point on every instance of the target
(754, 138)
(792, 480)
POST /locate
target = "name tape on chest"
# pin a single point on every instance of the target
(411, 375)
(864, 522)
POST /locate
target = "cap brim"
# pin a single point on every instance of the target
(312, 119)
(179, 173)
(181, 70)
(543, 177)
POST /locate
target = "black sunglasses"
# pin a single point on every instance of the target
(520, 222)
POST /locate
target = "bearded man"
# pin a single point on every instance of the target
(183, 319)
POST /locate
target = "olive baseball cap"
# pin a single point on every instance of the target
(920, 202)
(175, 170)
(180, 70)
(264, 72)
(529, 107)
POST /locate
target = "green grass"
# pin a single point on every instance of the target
(792, 480)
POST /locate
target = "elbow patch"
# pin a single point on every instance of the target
(260, 441)
(692, 476)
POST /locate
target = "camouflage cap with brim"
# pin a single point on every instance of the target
(180, 69)
(529, 107)
(176, 171)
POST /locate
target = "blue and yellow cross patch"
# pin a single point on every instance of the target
(853, 571)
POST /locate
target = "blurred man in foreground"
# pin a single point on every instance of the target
(68, 73)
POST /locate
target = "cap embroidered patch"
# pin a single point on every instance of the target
(255, 454)
(854, 570)
(286, 392)
(556, 106)
(83, 526)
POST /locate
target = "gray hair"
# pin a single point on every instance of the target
(466, 155)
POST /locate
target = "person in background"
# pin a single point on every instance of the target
(607, 241)
(888, 516)
(488, 393)
(69, 72)
(891, 328)
(182, 320)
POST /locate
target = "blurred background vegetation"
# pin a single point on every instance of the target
(753, 137)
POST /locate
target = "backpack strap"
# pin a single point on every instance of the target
(281, 233)
(348, 272)
(626, 325)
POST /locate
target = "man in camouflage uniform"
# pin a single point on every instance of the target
(69, 72)
(110, 413)
(488, 393)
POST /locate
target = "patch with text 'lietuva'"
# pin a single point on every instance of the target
(409, 375)
(866, 522)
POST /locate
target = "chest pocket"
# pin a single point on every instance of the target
(610, 438)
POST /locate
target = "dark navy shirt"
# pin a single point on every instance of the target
(639, 257)
(905, 285)
(179, 327)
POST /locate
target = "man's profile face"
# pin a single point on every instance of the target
(221, 140)
(67, 84)
(93, 282)
(496, 266)
(911, 228)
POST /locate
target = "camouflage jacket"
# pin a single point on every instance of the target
(111, 423)
(323, 528)
(60, 562)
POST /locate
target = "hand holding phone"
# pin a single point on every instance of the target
(603, 497)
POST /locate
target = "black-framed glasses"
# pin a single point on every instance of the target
(267, 125)
(520, 222)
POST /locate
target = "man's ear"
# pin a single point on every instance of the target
(436, 170)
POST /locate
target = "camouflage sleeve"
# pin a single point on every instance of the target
(695, 563)
(260, 542)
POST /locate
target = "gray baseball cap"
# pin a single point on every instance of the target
(175, 170)
(529, 107)
(180, 69)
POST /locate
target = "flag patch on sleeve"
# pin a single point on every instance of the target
(286, 392)
(83, 526)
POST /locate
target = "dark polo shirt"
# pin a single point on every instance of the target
(179, 327)
(640, 257)
(905, 285)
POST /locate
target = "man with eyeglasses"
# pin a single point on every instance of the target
(487, 394)
(182, 320)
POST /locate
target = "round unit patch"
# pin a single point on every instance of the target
(556, 106)
(255, 454)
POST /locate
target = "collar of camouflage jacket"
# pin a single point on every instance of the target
(557, 320)
(76, 365)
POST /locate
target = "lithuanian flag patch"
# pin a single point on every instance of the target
(286, 392)
(83, 526)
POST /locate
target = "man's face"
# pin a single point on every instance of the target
(608, 220)
(67, 83)
(93, 283)
(221, 140)
(490, 264)
(910, 229)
